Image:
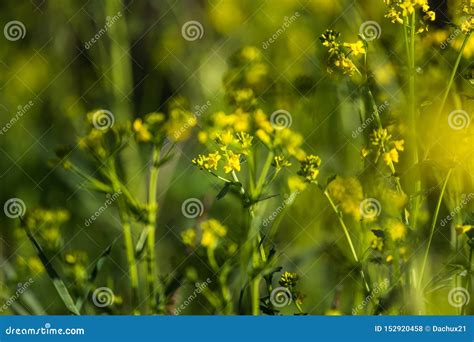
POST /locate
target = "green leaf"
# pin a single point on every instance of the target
(54, 276)
(93, 276)
(224, 191)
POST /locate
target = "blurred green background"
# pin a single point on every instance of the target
(140, 63)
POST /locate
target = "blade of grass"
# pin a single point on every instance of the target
(55, 278)
(93, 276)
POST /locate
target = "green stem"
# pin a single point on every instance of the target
(412, 118)
(348, 236)
(468, 280)
(451, 78)
(433, 225)
(263, 174)
(128, 238)
(255, 295)
(132, 264)
(151, 229)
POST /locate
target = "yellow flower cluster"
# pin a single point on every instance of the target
(463, 228)
(289, 279)
(310, 168)
(398, 10)
(348, 192)
(340, 53)
(211, 233)
(383, 145)
(48, 222)
(234, 134)
(155, 126)
(467, 9)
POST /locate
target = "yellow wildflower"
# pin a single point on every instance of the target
(391, 156)
(463, 228)
(310, 168)
(396, 229)
(356, 48)
(233, 162)
(189, 237)
(212, 230)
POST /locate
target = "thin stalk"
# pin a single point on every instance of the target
(412, 115)
(468, 280)
(130, 253)
(433, 225)
(453, 75)
(263, 174)
(151, 229)
(128, 238)
(255, 295)
(346, 233)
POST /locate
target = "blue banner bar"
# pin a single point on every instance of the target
(237, 328)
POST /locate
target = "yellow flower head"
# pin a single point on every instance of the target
(310, 168)
(396, 230)
(232, 163)
(212, 230)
